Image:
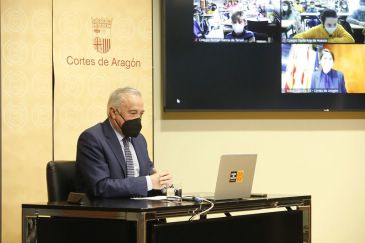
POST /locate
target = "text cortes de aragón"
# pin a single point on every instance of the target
(104, 62)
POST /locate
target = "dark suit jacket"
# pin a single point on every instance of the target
(101, 167)
(336, 82)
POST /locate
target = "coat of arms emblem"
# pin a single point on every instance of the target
(102, 32)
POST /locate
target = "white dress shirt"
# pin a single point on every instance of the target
(134, 157)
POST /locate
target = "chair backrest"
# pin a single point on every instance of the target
(346, 26)
(257, 26)
(260, 29)
(60, 180)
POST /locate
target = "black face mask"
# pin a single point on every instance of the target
(131, 128)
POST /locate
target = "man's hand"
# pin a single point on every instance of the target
(161, 179)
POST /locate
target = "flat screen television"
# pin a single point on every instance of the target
(221, 55)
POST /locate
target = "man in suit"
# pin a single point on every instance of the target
(112, 158)
(327, 80)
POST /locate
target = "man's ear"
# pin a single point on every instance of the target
(111, 113)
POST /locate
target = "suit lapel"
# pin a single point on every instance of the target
(114, 144)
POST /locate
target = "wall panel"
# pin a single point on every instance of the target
(83, 78)
(26, 108)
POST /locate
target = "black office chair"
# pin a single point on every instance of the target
(347, 27)
(60, 180)
(260, 29)
(57, 229)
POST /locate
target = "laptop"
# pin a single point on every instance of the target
(235, 177)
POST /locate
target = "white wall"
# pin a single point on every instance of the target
(307, 155)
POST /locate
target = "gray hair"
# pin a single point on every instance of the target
(116, 97)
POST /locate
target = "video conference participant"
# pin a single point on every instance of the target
(298, 6)
(238, 26)
(329, 29)
(328, 79)
(358, 16)
(112, 158)
(312, 9)
(289, 13)
(343, 7)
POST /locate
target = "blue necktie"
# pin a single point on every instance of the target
(128, 158)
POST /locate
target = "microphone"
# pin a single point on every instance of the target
(197, 199)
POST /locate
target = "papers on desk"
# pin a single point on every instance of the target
(155, 198)
(158, 198)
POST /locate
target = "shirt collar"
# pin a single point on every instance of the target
(119, 136)
(329, 73)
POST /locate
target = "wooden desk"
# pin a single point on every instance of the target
(287, 23)
(357, 27)
(304, 14)
(286, 26)
(343, 14)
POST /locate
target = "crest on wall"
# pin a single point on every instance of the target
(101, 34)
